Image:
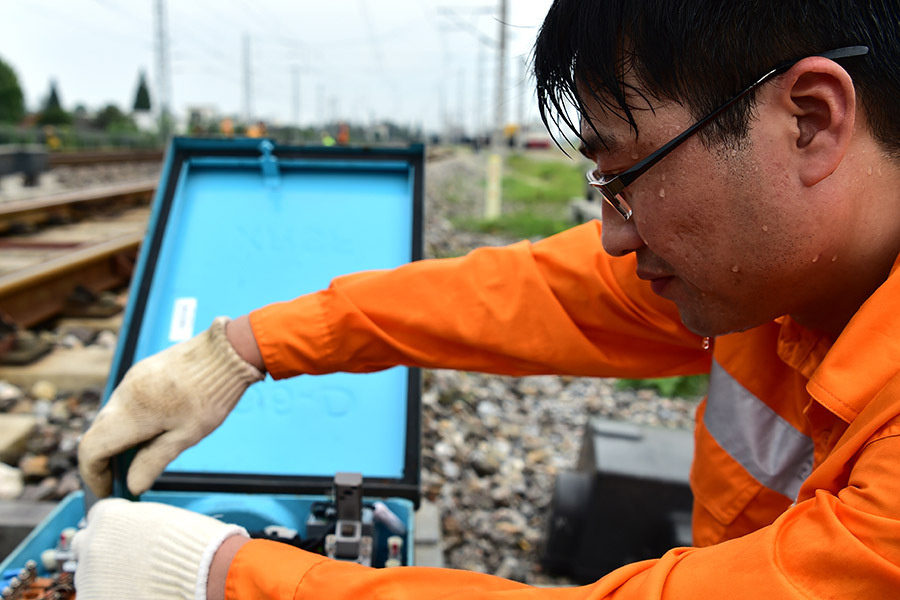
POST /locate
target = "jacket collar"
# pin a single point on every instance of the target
(801, 348)
(845, 376)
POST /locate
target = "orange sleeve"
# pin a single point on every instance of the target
(842, 545)
(561, 305)
(270, 570)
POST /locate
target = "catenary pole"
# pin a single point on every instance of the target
(248, 83)
(493, 193)
(162, 71)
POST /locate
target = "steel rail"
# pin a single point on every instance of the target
(97, 157)
(71, 204)
(33, 294)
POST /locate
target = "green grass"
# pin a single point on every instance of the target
(536, 195)
(541, 183)
(684, 387)
(517, 225)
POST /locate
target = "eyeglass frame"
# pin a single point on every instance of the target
(612, 187)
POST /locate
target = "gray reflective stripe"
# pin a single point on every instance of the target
(772, 450)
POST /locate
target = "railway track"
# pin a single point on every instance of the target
(59, 252)
(82, 158)
(73, 205)
(96, 157)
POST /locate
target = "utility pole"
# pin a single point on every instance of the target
(461, 114)
(493, 192)
(523, 89)
(295, 78)
(248, 83)
(479, 93)
(443, 111)
(162, 71)
(500, 107)
(334, 108)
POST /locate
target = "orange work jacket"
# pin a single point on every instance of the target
(796, 474)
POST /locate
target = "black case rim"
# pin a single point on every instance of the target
(182, 150)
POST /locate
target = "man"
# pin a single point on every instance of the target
(773, 226)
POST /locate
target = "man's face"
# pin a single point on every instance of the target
(719, 231)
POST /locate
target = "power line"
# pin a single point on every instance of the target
(116, 9)
(451, 14)
(80, 23)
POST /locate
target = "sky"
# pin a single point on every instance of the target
(416, 62)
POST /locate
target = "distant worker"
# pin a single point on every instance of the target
(256, 130)
(51, 139)
(511, 134)
(343, 136)
(327, 139)
(748, 155)
(226, 126)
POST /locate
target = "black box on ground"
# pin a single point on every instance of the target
(628, 500)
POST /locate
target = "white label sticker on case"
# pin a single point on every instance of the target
(182, 327)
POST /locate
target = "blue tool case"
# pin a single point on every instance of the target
(237, 224)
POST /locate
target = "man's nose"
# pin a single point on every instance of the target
(619, 237)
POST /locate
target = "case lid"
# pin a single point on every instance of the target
(240, 224)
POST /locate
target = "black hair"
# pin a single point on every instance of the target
(699, 53)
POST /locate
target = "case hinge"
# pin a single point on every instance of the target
(268, 162)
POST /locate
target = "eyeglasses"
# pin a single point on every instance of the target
(611, 187)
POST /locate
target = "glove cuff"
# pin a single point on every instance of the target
(178, 561)
(209, 553)
(147, 550)
(217, 367)
(242, 369)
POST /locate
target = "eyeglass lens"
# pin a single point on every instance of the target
(618, 202)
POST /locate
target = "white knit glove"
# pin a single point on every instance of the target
(168, 402)
(146, 550)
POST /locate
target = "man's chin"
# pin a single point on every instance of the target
(705, 325)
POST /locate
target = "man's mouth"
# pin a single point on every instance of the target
(658, 281)
(659, 284)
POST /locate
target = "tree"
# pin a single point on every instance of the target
(53, 113)
(12, 102)
(110, 118)
(80, 113)
(53, 99)
(142, 97)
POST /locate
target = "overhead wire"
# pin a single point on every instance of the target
(199, 50)
(379, 55)
(78, 22)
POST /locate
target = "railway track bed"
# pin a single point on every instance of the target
(59, 253)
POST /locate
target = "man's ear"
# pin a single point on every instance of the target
(821, 99)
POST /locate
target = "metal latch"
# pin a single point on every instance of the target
(268, 162)
(348, 542)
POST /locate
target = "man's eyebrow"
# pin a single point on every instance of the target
(594, 143)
